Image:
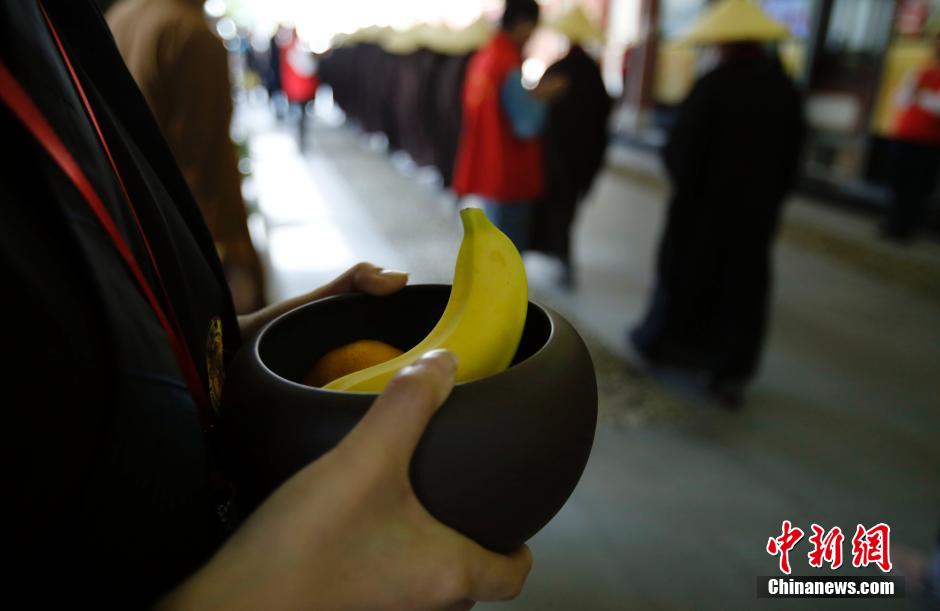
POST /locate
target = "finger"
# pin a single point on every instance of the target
(344, 283)
(461, 606)
(378, 281)
(397, 419)
(364, 277)
(497, 576)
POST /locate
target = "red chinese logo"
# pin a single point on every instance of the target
(783, 544)
(827, 547)
(872, 546)
(869, 546)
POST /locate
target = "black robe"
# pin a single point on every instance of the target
(446, 117)
(107, 499)
(411, 98)
(414, 99)
(573, 145)
(731, 158)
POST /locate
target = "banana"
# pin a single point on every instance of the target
(482, 323)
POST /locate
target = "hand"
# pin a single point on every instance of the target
(551, 87)
(362, 278)
(348, 533)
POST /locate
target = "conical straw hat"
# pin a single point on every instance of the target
(735, 21)
(468, 39)
(347, 40)
(435, 37)
(371, 34)
(577, 26)
(400, 42)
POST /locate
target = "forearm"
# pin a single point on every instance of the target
(362, 277)
(252, 323)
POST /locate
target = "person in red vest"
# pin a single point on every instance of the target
(299, 80)
(916, 161)
(499, 157)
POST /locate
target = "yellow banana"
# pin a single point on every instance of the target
(482, 323)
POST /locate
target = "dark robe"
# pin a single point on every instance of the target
(573, 145)
(414, 99)
(108, 501)
(446, 117)
(731, 158)
(362, 79)
(411, 98)
(338, 70)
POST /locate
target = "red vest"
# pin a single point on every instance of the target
(491, 161)
(299, 81)
(914, 122)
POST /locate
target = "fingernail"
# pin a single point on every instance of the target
(445, 357)
(393, 273)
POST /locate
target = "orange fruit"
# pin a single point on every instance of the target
(349, 358)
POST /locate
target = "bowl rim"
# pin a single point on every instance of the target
(259, 336)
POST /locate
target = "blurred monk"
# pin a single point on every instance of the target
(182, 70)
(731, 157)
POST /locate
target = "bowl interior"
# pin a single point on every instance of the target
(294, 342)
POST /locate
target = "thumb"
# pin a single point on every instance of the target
(394, 424)
(363, 278)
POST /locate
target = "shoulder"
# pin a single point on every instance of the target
(142, 15)
(711, 85)
(118, 15)
(179, 29)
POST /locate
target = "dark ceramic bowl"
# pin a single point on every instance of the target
(497, 461)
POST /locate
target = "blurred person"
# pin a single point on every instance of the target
(915, 150)
(731, 158)
(280, 39)
(921, 572)
(259, 60)
(182, 70)
(121, 327)
(626, 66)
(573, 141)
(931, 576)
(499, 157)
(299, 81)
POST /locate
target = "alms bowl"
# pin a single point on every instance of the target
(497, 461)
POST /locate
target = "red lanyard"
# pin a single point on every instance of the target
(25, 109)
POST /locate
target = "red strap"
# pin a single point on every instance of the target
(23, 107)
(107, 152)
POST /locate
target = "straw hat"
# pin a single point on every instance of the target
(577, 26)
(435, 38)
(460, 42)
(735, 21)
(438, 39)
(371, 34)
(400, 42)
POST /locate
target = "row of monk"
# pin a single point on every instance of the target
(414, 99)
(534, 154)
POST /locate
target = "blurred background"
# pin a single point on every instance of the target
(842, 424)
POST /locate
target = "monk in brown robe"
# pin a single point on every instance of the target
(182, 70)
